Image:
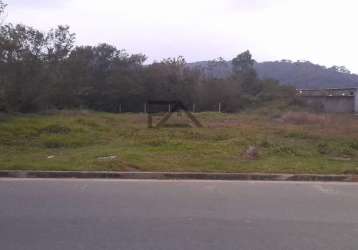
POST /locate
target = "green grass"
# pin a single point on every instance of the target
(76, 140)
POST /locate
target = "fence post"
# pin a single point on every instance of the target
(194, 108)
(120, 108)
(219, 107)
(145, 108)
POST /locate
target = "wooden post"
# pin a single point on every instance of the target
(145, 108)
(170, 108)
(193, 108)
(120, 108)
(219, 107)
(150, 121)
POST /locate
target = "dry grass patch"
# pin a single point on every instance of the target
(299, 143)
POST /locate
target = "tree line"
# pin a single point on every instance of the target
(45, 70)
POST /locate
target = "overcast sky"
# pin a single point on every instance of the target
(321, 31)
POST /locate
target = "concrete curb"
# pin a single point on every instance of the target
(177, 176)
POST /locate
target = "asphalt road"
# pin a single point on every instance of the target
(171, 215)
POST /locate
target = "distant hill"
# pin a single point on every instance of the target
(298, 74)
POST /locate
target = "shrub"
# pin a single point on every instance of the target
(285, 150)
(265, 143)
(354, 145)
(56, 129)
(323, 148)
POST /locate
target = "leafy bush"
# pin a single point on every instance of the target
(286, 150)
(56, 129)
(354, 145)
(323, 148)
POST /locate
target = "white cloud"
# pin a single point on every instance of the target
(29, 4)
(322, 31)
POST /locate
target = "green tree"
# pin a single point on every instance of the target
(172, 79)
(243, 64)
(31, 67)
(245, 74)
(58, 44)
(21, 67)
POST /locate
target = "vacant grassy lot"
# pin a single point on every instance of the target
(289, 143)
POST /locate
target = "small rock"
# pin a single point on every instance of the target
(50, 157)
(252, 153)
(107, 158)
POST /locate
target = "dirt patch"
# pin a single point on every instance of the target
(304, 118)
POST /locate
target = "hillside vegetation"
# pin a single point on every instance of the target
(283, 143)
(296, 74)
(307, 75)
